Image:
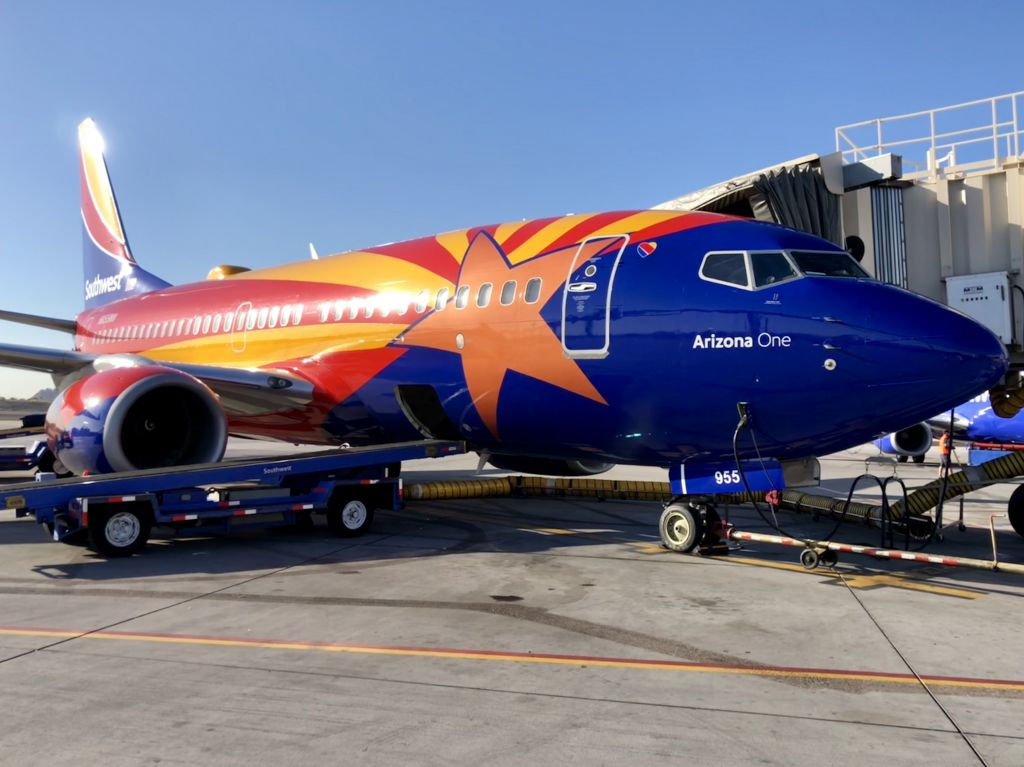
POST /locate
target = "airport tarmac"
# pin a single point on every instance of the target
(511, 631)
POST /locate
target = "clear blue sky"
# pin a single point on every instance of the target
(239, 131)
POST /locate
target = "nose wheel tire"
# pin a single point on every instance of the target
(681, 528)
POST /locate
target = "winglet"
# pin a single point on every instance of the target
(111, 271)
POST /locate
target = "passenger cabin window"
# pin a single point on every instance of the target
(532, 292)
(462, 297)
(422, 299)
(484, 296)
(827, 264)
(770, 268)
(728, 268)
(508, 292)
(261, 318)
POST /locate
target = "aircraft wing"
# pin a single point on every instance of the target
(53, 361)
(50, 323)
(241, 391)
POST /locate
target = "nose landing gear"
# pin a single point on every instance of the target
(689, 523)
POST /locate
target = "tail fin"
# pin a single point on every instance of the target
(111, 273)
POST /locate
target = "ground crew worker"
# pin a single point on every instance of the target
(945, 450)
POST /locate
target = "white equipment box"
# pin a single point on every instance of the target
(985, 298)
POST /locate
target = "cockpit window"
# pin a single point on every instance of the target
(730, 268)
(770, 268)
(827, 264)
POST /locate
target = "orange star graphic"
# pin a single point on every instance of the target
(494, 339)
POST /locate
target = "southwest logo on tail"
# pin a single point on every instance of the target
(557, 345)
(110, 271)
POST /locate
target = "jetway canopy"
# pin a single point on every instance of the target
(803, 194)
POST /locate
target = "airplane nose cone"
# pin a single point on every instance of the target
(973, 357)
(936, 357)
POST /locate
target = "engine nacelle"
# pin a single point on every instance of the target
(913, 441)
(555, 467)
(129, 418)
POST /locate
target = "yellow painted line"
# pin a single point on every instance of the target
(860, 581)
(514, 657)
(856, 581)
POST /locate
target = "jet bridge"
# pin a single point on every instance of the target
(932, 201)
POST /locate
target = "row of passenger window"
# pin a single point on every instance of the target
(398, 302)
(382, 304)
(206, 324)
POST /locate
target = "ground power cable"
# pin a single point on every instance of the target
(179, 603)
(745, 423)
(911, 669)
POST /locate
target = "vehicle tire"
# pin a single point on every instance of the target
(828, 558)
(919, 459)
(809, 559)
(681, 528)
(120, 530)
(1015, 510)
(348, 514)
(901, 459)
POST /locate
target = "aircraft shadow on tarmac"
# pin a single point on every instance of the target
(500, 526)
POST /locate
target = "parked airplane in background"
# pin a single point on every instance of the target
(973, 421)
(559, 344)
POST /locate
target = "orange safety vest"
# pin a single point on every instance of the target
(944, 441)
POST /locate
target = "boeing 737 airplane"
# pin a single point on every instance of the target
(974, 420)
(559, 345)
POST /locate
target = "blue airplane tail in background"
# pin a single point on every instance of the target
(111, 272)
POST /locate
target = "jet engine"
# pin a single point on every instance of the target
(912, 442)
(128, 418)
(550, 466)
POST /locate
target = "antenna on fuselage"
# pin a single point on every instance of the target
(312, 253)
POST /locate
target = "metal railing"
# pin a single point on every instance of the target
(970, 137)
